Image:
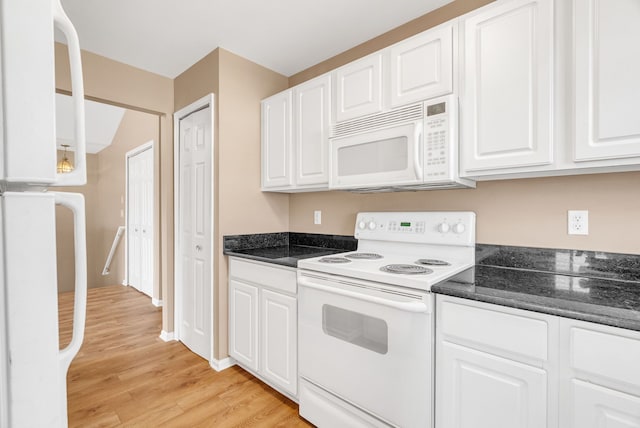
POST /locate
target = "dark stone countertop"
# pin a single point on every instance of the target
(591, 286)
(286, 248)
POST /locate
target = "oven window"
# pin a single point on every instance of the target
(375, 157)
(359, 329)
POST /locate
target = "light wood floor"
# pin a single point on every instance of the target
(125, 375)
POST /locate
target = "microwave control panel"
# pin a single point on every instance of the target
(439, 137)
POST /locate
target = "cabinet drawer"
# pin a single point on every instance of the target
(277, 278)
(498, 331)
(605, 355)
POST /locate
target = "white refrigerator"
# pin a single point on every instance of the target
(32, 367)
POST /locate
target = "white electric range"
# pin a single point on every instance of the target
(366, 322)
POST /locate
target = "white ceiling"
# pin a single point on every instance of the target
(168, 36)
(101, 123)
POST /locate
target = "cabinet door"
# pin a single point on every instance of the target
(359, 88)
(279, 349)
(607, 88)
(312, 109)
(507, 94)
(422, 67)
(276, 141)
(477, 389)
(595, 406)
(243, 323)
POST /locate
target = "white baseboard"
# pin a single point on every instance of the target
(156, 302)
(225, 363)
(167, 336)
(124, 282)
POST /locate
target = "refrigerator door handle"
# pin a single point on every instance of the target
(77, 177)
(75, 202)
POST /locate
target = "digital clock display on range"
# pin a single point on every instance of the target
(405, 224)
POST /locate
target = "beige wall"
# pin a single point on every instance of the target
(529, 212)
(121, 84)
(240, 207)
(525, 212)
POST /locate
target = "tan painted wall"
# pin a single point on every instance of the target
(127, 86)
(525, 212)
(240, 207)
(529, 212)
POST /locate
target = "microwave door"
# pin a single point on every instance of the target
(383, 157)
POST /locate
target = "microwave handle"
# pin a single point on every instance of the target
(417, 165)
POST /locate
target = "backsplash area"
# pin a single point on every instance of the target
(523, 212)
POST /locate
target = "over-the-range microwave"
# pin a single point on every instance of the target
(408, 148)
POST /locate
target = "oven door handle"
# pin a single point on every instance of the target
(417, 307)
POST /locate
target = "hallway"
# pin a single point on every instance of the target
(124, 375)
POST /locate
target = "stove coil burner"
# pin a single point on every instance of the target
(334, 260)
(406, 269)
(363, 256)
(433, 262)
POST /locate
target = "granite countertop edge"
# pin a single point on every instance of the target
(561, 308)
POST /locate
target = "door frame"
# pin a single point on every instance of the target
(202, 103)
(146, 146)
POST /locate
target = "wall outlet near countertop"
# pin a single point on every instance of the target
(317, 217)
(578, 222)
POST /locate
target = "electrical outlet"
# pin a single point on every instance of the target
(317, 217)
(578, 222)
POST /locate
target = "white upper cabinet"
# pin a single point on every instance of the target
(311, 119)
(422, 67)
(607, 83)
(276, 141)
(359, 88)
(507, 91)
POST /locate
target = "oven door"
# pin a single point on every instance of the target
(368, 344)
(378, 158)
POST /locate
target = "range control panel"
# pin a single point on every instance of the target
(426, 227)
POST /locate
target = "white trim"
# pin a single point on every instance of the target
(223, 364)
(202, 103)
(150, 145)
(167, 336)
(156, 302)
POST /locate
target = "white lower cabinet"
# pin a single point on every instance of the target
(479, 389)
(263, 322)
(600, 376)
(502, 367)
(494, 366)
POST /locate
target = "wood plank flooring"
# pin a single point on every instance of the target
(124, 375)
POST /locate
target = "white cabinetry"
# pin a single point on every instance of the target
(607, 87)
(495, 366)
(276, 141)
(421, 67)
(311, 120)
(600, 376)
(503, 367)
(263, 322)
(507, 91)
(295, 137)
(359, 88)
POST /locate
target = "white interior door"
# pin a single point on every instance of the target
(140, 219)
(194, 272)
